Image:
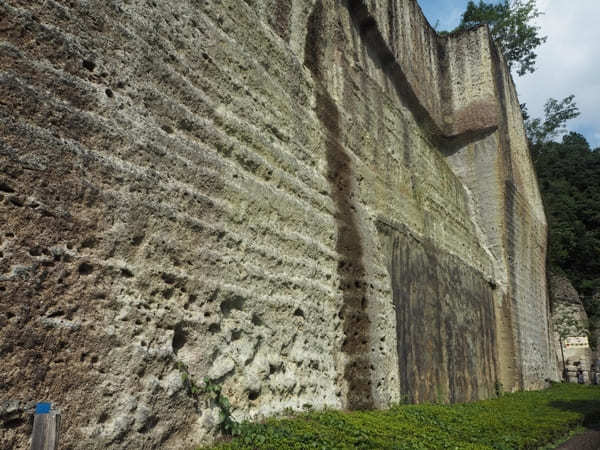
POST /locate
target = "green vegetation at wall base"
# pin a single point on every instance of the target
(523, 420)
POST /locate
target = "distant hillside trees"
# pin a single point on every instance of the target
(569, 179)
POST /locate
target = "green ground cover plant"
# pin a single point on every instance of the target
(523, 420)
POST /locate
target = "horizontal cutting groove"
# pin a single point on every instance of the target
(109, 124)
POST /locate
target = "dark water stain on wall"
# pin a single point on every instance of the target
(351, 270)
(280, 18)
(445, 321)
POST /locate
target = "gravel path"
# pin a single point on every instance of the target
(590, 440)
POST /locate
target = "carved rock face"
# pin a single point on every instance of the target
(313, 204)
(571, 321)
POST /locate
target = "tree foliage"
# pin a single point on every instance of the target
(556, 115)
(569, 180)
(511, 28)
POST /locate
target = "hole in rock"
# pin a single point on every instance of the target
(256, 320)
(213, 296)
(89, 243)
(253, 395)
(126, 273)
(299, 313)
(231, 303)
(109, 93)
(214, 328)
(179, 338)
(89, 64)
(168, 278)
(6, 188)
(137, 240)
(85, 268)
(150, 423)
(235, 335)
(14, 423)
(35, 251)
(16, 201)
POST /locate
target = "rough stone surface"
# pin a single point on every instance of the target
(314, 203)
(567, 306)
(595, 331)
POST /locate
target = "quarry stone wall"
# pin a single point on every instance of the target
(312, 203)
(570, 319)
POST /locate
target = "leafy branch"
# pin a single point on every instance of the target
(556, 114)
(228, 425)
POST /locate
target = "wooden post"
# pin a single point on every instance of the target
(46, 427)
(564, 371)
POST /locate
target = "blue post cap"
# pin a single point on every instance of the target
(43, 408)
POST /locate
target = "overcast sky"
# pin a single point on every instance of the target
(568, 63)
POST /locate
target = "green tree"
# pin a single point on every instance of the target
(556, 114)
(511, 28)
(569, 180)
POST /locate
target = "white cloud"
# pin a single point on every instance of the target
(569, 63)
